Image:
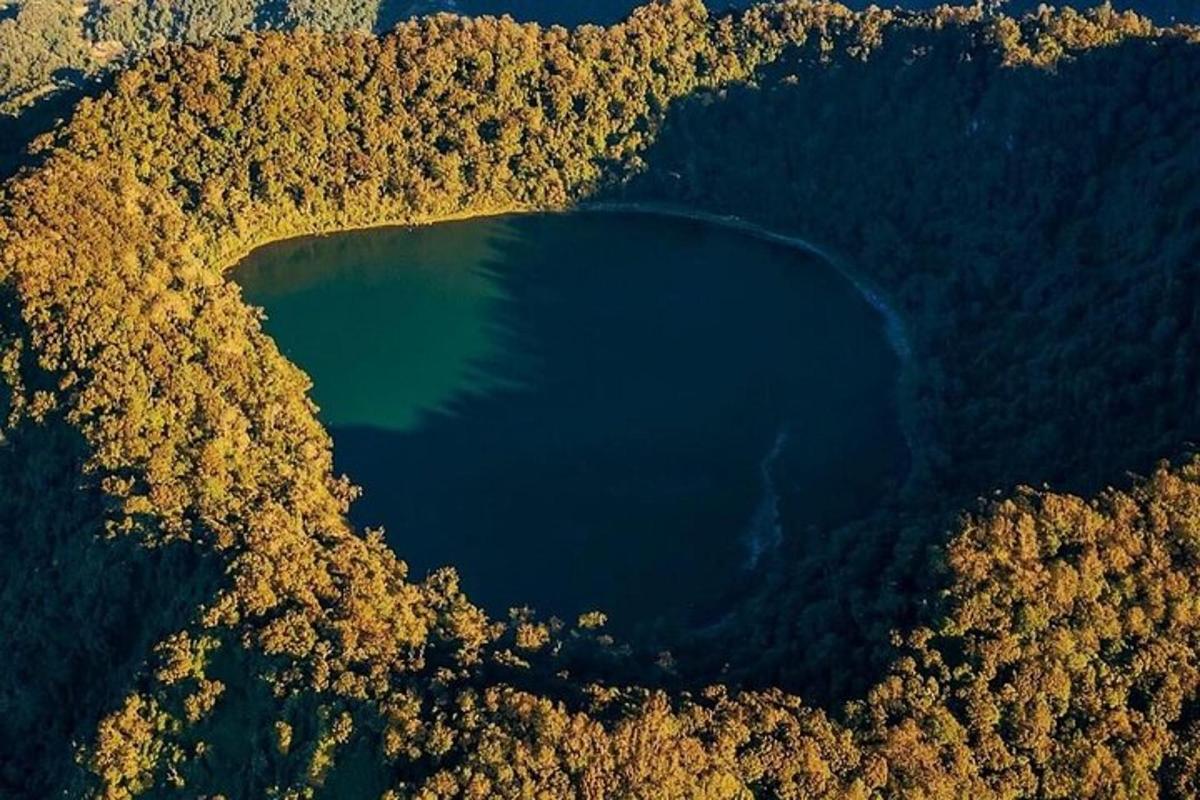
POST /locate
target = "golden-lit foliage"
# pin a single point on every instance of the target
(1059, 660)
(1035, 229)
(1067, 653)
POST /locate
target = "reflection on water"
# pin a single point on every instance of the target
(414, 345)
(588, 411)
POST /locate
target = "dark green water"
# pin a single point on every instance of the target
(588, 411)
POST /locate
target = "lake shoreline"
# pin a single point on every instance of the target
(896, 327)
(677, 360)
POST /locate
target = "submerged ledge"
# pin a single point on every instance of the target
(896, 328)
(893, 327)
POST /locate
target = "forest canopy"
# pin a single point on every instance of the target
(56, 46)
(187, 611)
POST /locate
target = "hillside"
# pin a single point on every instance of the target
(184, 592)
(48, 47)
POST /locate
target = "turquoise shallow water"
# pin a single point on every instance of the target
(590, 410)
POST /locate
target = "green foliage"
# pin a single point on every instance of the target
(1032, 229)
(42, 45)
(1047, 646)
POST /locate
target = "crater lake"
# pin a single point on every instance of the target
(611, 411)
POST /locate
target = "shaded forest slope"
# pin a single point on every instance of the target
(1021, 187)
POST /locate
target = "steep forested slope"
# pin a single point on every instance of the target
(56, 45)
(1032, 225)
(190, 614)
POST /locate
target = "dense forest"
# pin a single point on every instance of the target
(50, 46)
(187, 613)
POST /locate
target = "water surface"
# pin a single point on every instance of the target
(590, 410)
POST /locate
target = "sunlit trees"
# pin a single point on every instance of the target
(1044, 645)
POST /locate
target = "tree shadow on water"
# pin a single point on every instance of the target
(1026, 223)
